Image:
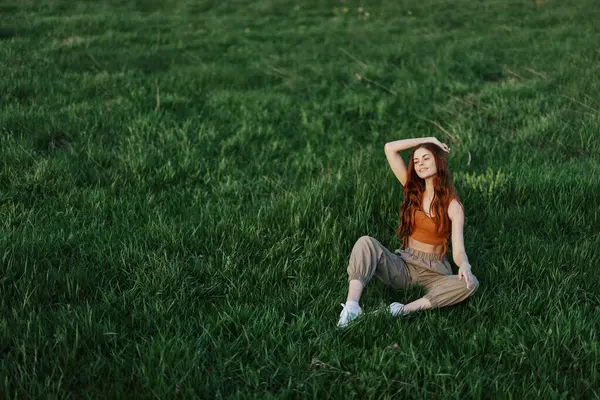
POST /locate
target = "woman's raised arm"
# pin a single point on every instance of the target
(395, 160)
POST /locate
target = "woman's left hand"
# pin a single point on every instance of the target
(465, 272)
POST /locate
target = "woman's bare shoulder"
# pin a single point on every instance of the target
(455, 209)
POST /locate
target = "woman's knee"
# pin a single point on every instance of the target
(364, 245)
(443, 295)
(363, 259)
(364, 241)
(468, 288)
(473, 287)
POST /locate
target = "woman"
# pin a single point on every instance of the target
(431, 214)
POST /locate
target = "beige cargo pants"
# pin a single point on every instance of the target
(405, 268)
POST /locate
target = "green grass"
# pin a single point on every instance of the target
(182, 183)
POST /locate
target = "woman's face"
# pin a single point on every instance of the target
(424, 163)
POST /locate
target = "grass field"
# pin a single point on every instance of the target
(182, 183)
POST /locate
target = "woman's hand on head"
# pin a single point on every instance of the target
(443, 146)
(465, 272)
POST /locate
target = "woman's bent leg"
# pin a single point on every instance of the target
(370, 258)
(443, 288)
(446, 290)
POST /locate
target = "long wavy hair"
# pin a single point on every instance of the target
(414, 188)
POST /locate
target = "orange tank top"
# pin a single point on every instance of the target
(425, 231)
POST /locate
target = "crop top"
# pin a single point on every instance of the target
(425, 231)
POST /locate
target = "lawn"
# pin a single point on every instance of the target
(182, 182)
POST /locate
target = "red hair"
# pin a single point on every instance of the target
(444, 193)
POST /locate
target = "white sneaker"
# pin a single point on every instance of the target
(348, 314)
(396, 309)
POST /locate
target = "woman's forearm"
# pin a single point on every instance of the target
(460, 259)
(404, 144)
